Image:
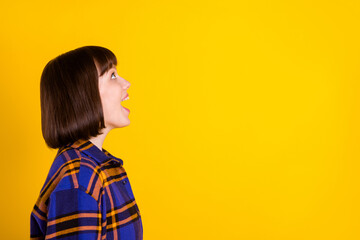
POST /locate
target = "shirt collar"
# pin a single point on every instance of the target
(91, 150)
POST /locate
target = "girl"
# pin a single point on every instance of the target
(87, 193)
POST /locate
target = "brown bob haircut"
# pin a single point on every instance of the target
(71, 106)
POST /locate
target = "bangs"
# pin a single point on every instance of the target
(104, 58)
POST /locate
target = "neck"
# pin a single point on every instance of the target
(99, 139)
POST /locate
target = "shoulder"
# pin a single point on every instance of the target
(73, 170)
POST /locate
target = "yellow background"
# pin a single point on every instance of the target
(244, 114)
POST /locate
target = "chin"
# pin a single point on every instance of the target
(122, 124)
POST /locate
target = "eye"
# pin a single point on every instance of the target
(113, 75)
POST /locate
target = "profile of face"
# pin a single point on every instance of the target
(113, 90)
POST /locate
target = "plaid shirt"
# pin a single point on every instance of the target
(86, 195)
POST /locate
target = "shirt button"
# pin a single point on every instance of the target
(124, 182)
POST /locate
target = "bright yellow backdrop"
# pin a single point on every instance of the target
(244, 114)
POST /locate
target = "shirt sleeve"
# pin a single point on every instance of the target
(73, 214)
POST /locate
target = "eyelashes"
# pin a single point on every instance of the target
(113, 75)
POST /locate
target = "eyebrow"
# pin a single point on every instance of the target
(108, 71)
(113, 68)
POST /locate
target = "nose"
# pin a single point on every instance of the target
(126, 84)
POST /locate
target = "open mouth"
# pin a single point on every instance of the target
(126, 109)
(124, 99)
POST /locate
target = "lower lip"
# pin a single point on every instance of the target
(126, 109)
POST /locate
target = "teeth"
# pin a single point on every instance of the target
(127, 98)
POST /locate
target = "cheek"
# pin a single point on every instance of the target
(110, 96)
(110, 99)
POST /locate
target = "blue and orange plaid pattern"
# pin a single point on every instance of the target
(86, 195)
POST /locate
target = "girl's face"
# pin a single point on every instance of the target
(113, 89)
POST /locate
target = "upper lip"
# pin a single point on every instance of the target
(125, 97)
